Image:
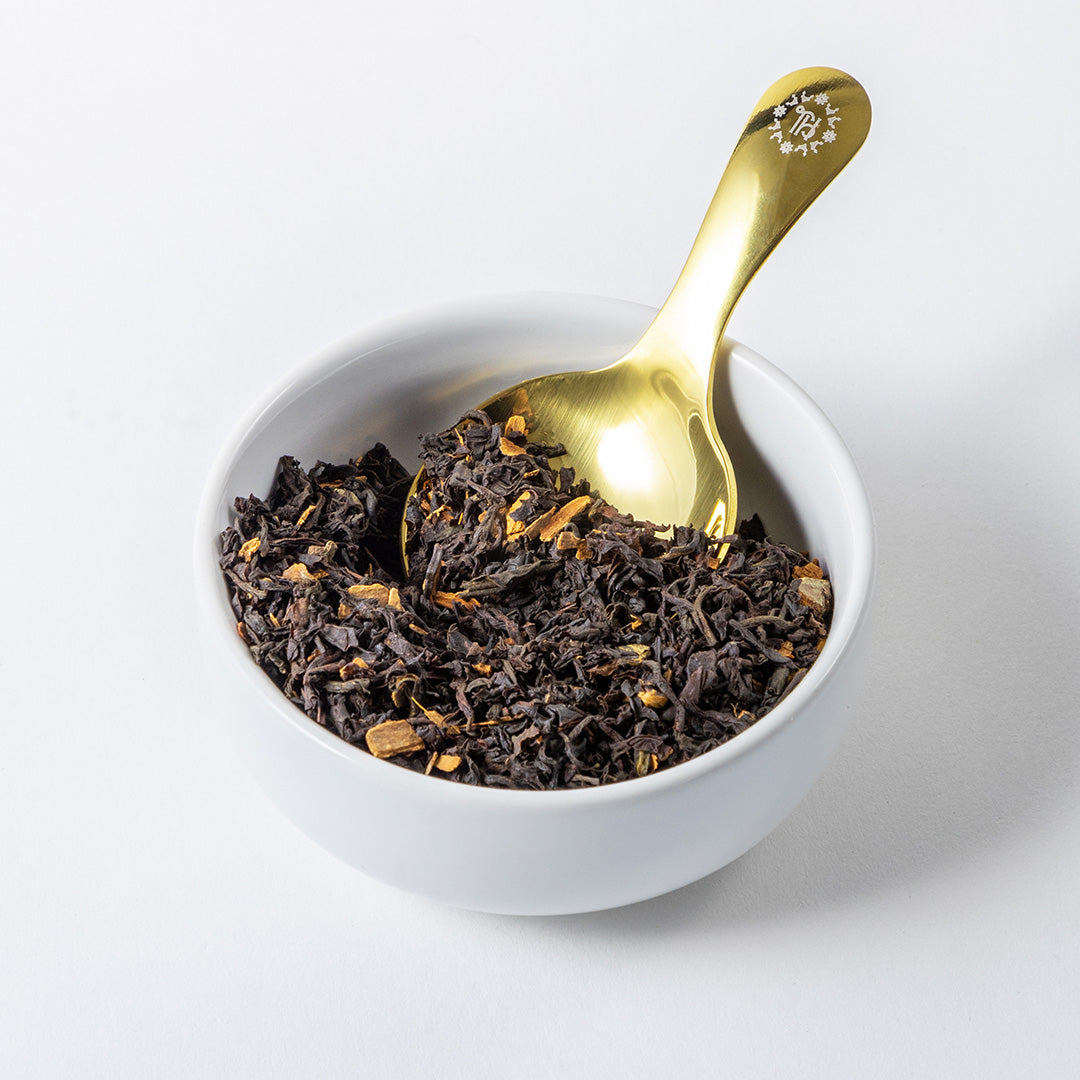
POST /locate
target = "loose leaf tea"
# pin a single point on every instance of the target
(541, 640)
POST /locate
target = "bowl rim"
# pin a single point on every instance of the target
(360, 345)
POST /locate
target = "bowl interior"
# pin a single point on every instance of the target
(417, 374)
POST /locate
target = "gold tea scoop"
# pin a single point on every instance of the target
(642, 430)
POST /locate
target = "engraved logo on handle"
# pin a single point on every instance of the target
(796, 125)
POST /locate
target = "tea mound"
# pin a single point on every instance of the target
(541, 640)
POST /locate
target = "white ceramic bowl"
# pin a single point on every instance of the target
(524, 851)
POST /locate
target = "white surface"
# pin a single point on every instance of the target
(536, 853)
(197, 196)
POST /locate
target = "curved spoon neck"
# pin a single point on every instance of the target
(743, 224)
(693, 319)
(677, 338)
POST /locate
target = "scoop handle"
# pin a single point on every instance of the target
(804, 130)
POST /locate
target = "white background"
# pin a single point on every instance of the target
(197, 196)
